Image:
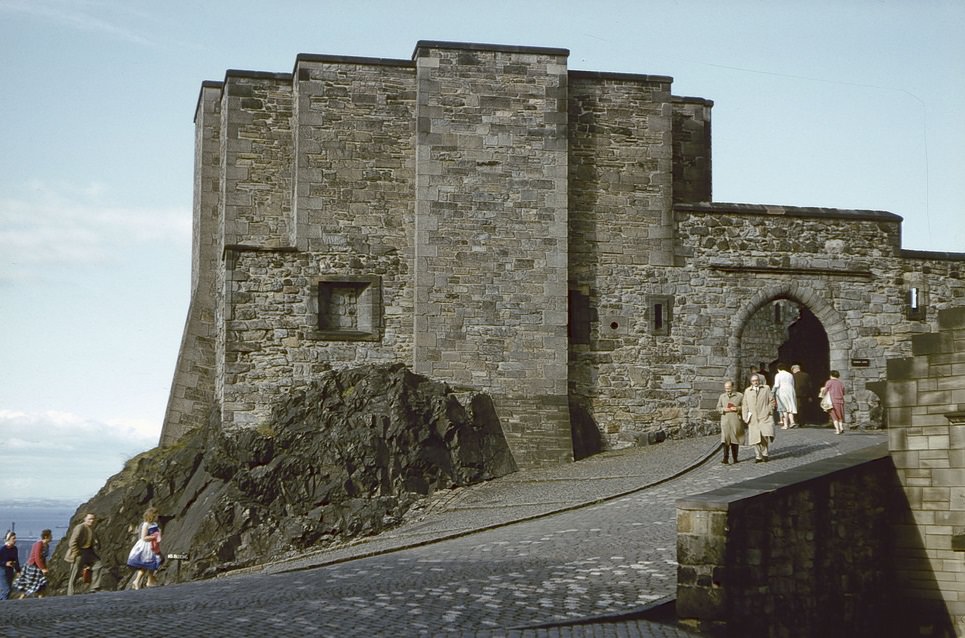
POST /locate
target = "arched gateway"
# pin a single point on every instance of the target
(801, 333)
(493, 219)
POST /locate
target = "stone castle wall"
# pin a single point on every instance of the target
(924, 395)
(845, 266)
(494, 219)
(621, 240)
(192, 394)
(491, 231)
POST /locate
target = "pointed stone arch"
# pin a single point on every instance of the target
(839, 342)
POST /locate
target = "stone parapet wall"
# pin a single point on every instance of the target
(797, 553)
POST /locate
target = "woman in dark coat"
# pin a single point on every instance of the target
(10, 561)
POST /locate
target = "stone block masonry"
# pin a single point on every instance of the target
(494, 219)
(804, 552)
(491, 232)
(924, 397)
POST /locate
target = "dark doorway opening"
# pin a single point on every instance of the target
(807, 345)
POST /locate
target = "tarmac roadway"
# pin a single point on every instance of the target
(587, 549)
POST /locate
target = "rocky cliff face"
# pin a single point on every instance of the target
(343, 458)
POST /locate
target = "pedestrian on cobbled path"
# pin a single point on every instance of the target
(82, 551)
(729, 404)
(759, 416)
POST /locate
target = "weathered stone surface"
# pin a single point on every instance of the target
(492, 218)
(344, 457)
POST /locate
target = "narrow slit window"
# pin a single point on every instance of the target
(579, 317)
(915, 304)
(661, 314)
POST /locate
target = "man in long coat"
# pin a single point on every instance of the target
(758, 411)
(731, 426)
(804, 393)
(82, 551)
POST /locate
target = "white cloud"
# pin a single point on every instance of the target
(62, 455)
(69, 227)
(79, 14)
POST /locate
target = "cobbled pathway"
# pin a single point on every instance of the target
(579, 550)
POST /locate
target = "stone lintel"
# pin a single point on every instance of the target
(810, 272)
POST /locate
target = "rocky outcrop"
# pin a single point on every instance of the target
(342, 458)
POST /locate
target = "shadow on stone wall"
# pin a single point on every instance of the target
(587, 439)
(919, 608)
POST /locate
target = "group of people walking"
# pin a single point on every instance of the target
(748, 417)
(82, 553)
(32, 580)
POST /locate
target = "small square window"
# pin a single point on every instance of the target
(349, 308)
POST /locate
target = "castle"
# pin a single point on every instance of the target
(498, 221)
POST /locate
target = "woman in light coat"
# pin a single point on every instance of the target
(786, 396)
(758, 411)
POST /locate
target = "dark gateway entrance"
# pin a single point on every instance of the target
(785, 330)
(807, 346)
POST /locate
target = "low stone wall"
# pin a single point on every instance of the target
(804, 552)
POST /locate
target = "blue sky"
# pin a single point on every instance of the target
(839, 104)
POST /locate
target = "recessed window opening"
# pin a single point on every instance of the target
(915, 301)
(349, 307)
(661, 312)
(578, 325)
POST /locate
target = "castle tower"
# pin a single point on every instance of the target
(491, 233)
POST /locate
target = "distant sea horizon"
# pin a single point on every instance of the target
(29, 517)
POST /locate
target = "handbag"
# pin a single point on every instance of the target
(826, 402)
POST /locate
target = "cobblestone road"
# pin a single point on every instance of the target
(572, 573)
